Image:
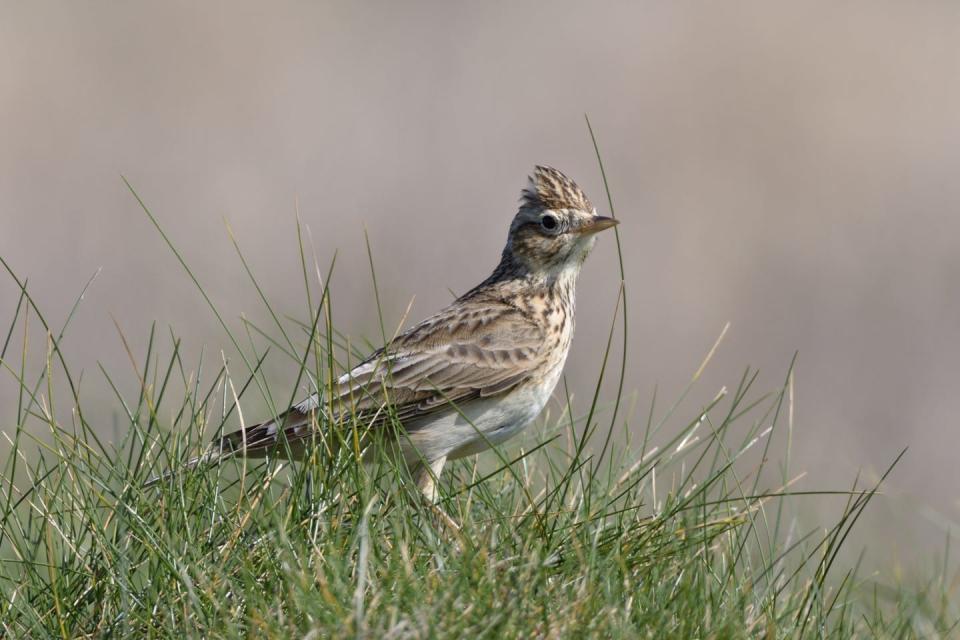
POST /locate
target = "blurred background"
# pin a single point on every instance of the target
(789, 168)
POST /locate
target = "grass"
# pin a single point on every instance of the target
(591, 525)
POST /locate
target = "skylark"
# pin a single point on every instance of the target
(477, 372)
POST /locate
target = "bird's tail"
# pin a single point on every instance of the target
(284, 437)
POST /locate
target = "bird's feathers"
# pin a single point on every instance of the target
(550, 189)
(471, 350)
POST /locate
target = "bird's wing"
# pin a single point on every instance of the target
(468, 351)
(463, 353)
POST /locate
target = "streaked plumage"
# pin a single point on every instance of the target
(496, 353)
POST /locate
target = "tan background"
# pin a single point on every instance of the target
(791, 168)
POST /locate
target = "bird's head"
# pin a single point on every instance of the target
(554, 229)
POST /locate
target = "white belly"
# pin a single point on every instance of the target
(483, 423)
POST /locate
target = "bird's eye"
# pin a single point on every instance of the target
(549, 222)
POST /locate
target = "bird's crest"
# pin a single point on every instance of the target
(550, 189)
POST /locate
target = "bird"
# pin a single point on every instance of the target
(472, 375)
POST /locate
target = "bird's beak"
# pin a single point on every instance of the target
(597, 223)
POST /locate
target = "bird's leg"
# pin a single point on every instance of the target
(427, 475)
